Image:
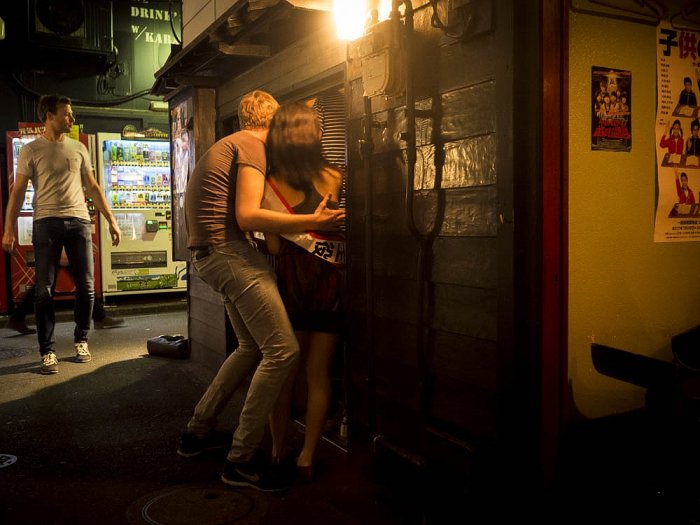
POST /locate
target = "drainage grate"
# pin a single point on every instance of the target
(190, 505)
(7, 459)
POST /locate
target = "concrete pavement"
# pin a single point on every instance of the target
(95, 443)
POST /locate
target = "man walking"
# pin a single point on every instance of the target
(222, 202)
(62, 175)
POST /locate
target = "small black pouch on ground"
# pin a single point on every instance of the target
(173, 346)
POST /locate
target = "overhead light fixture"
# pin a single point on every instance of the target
(352, 17)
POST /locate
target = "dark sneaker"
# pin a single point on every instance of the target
(49, 363)
(192, 445)
(265, 479)
(82, 354)
(20, 326)
(109, 322)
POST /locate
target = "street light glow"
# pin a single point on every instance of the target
(350, 17)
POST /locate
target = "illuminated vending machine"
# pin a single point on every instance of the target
(135, 175)
(22, 261)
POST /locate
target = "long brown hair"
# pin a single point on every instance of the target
(294, 146)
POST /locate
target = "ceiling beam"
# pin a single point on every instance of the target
(244, 50)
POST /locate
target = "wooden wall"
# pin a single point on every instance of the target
(458, 389)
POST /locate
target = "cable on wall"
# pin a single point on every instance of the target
(89, 103)
(172, 26)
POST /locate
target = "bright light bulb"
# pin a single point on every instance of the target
(384, 9)
(350, 18)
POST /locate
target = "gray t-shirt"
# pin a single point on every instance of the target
(210, 200)
(56, 170)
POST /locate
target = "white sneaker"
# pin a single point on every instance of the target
(82, 354)
(49, 363)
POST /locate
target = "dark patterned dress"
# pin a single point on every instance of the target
(312, 289)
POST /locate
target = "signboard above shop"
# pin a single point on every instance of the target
(144, 31)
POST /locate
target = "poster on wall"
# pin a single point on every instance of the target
(611, 116)
(677, 135)
(180, 116)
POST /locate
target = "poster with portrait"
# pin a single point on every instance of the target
(611, 114)
(180, 117)
(677, 135)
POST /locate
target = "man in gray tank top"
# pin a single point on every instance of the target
(61, 173)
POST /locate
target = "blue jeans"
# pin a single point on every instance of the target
(253, 304)
(49, 237)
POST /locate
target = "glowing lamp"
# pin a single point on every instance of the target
(352, 17)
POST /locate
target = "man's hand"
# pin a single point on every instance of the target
(329, 219)
(8, 241)
(115, 233)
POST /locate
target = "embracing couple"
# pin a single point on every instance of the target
(291, 194)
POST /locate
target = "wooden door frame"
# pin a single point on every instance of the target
(554, 277)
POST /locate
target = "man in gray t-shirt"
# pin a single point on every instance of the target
(61, 174)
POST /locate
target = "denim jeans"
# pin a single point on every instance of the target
(49, 237)
(247, 284)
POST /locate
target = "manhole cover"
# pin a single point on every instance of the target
(11, 353)
(7, 459)
(190, 505)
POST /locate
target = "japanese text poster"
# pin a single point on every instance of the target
(677, 135)
(611, 119)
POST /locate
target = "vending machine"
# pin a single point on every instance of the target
(135, 175)
(22, 260)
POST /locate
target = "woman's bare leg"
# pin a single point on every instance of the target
(319, 357)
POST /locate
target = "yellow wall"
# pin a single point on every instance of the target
(625, 290)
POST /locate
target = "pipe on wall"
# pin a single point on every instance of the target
(366, 149)
(425, 239)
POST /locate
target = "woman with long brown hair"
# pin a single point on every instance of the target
(310, 268)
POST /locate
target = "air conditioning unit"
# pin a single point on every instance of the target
(77, 25)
